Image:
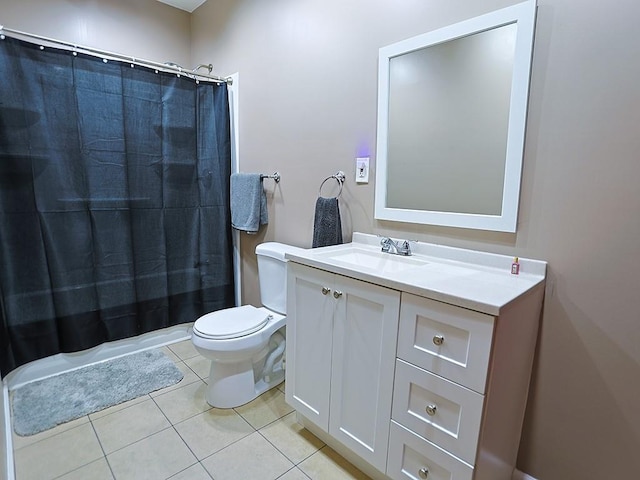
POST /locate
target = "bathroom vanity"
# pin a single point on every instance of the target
(413, 367)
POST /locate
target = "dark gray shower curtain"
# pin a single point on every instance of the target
(114, 201)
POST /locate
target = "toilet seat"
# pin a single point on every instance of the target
(231, 322)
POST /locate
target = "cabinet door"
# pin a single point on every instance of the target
(310, 305)
(364, 349)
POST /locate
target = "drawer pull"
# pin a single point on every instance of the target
(325, 290)
(438, 340)
(337, 294)
(431, 410)
(423, 472)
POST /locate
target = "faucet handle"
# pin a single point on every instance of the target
(405, 248)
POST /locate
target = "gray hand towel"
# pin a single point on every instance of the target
(248, 202)
(327, 228)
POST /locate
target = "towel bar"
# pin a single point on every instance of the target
(275, 176)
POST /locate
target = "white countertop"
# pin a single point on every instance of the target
(471, 279)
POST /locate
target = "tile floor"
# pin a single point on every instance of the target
(173, 433)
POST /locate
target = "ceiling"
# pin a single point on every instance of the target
(188, 5)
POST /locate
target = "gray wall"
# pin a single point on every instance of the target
(308, 108)
(141, 28)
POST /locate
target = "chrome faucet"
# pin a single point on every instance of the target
(389, 246)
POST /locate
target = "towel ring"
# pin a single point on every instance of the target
(338, 177)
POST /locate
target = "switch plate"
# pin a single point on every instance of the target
(362, 170)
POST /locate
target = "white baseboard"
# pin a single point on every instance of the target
(518, 475)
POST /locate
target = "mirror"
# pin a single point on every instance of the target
(451, 122)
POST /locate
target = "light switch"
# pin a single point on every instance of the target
(362, 170)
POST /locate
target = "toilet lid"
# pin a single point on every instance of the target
(231, 322)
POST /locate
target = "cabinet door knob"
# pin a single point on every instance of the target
(337, 294)
(423, 472)
(431, 410)
(438, 340)
(325, 290)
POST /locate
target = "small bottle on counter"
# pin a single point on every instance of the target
(515, 266)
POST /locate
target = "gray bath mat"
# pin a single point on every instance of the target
(42, 405)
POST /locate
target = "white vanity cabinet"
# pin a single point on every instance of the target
(413, 368)
(341, 345)
(460, 389)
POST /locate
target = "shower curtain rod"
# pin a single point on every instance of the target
(165, 67)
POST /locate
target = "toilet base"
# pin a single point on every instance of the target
(233, 384)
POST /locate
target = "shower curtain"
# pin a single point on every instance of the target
(114, 201)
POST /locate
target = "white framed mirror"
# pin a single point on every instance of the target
(452, 106)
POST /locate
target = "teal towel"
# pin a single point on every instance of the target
(248, 202)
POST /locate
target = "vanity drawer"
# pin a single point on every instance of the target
(450, 341)
(441, 411)
(412, 457)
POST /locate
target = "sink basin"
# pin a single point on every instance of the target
(378, 261)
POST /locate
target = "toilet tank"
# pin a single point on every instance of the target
(272, 273)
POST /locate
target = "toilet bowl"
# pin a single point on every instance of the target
(246, 345)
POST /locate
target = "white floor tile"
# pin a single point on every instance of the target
(21, 442)
(195, 472)
(98, 470)
(127, 426)
(183, 403)
(213, 430)
(291, 438)
(252, 458)
(156, 457)
(184, 349)
(59, 454)
(294, 474)
(326, 464)
(200, 365)
(118, 407)
(267, 408)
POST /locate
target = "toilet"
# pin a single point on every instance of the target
(246, 345)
